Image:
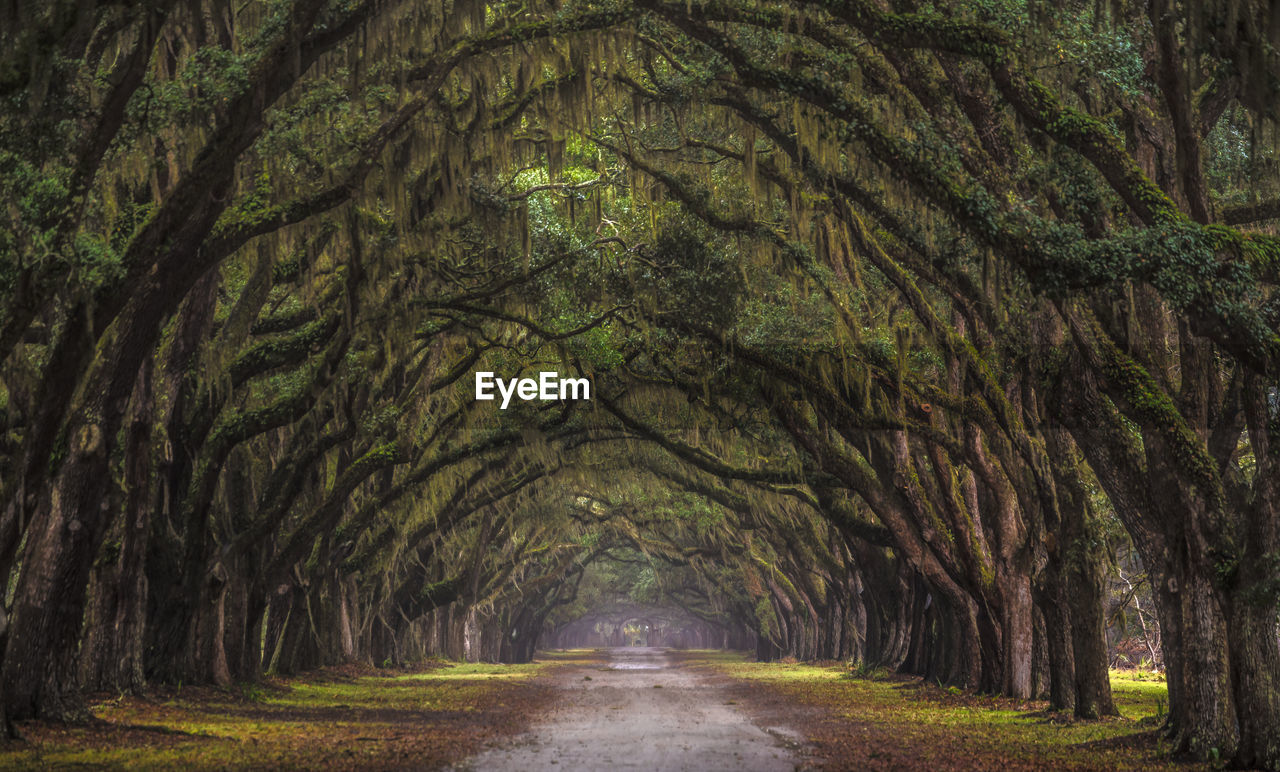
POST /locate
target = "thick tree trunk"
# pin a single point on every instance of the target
(1017, 635)
(1040, 667)
(1254, 603)
(207, 659)
(1194, 632)
(1085, 599)
(41, 664)
(1255, 662)
(112, 649)
(240, 648)
(1077, 564)
(1059, 635)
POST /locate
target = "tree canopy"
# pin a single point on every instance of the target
(899, 318)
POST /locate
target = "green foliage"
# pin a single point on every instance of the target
(835, 272)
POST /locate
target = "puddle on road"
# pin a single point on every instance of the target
(634, 666)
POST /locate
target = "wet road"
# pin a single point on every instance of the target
(641, 712)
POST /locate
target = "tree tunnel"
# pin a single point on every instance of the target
(620, 624)
(898, 329)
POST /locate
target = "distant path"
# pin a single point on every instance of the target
(640, 712)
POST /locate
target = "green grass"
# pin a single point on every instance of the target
(1140, 694)
(712, 656)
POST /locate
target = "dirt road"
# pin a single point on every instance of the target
(642, 711)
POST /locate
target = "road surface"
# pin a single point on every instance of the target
(642, 711)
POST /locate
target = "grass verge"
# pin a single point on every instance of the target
(341, 718)
(890, 722)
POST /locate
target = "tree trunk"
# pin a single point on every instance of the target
(1254, 602)
(1085, 599)
(1194, 632)
(1017, 633)
(111, 652)
(40, 670)
(1077, 563)
(1059, 637)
